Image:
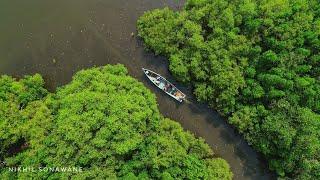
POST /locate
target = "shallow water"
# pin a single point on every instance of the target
(58, 38)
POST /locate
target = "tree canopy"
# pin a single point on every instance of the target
(103, 121)
(258, 63)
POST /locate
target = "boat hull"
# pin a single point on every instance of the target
(164, 85)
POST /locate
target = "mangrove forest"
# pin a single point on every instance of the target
(255, 61)
(103, 121)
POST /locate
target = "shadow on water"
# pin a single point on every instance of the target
(57, 39)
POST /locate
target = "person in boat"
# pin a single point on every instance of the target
(173, 91)
(168, 87)
(178, 94)
(158, 80)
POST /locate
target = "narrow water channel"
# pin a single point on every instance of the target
(57, 38)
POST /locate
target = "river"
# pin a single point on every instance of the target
(57, 38)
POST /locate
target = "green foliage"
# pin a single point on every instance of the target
(103, 121)
(257, 62)
(14, 107)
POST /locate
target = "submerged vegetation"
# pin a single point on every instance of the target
(105, 122)
(258, 63)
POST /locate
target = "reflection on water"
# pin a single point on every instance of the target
(57, 38)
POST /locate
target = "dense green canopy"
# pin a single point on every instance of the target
(103, 121)
(258, 63)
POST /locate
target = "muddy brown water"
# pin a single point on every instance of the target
(57, 38)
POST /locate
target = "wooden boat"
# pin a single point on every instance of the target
(164, 85)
